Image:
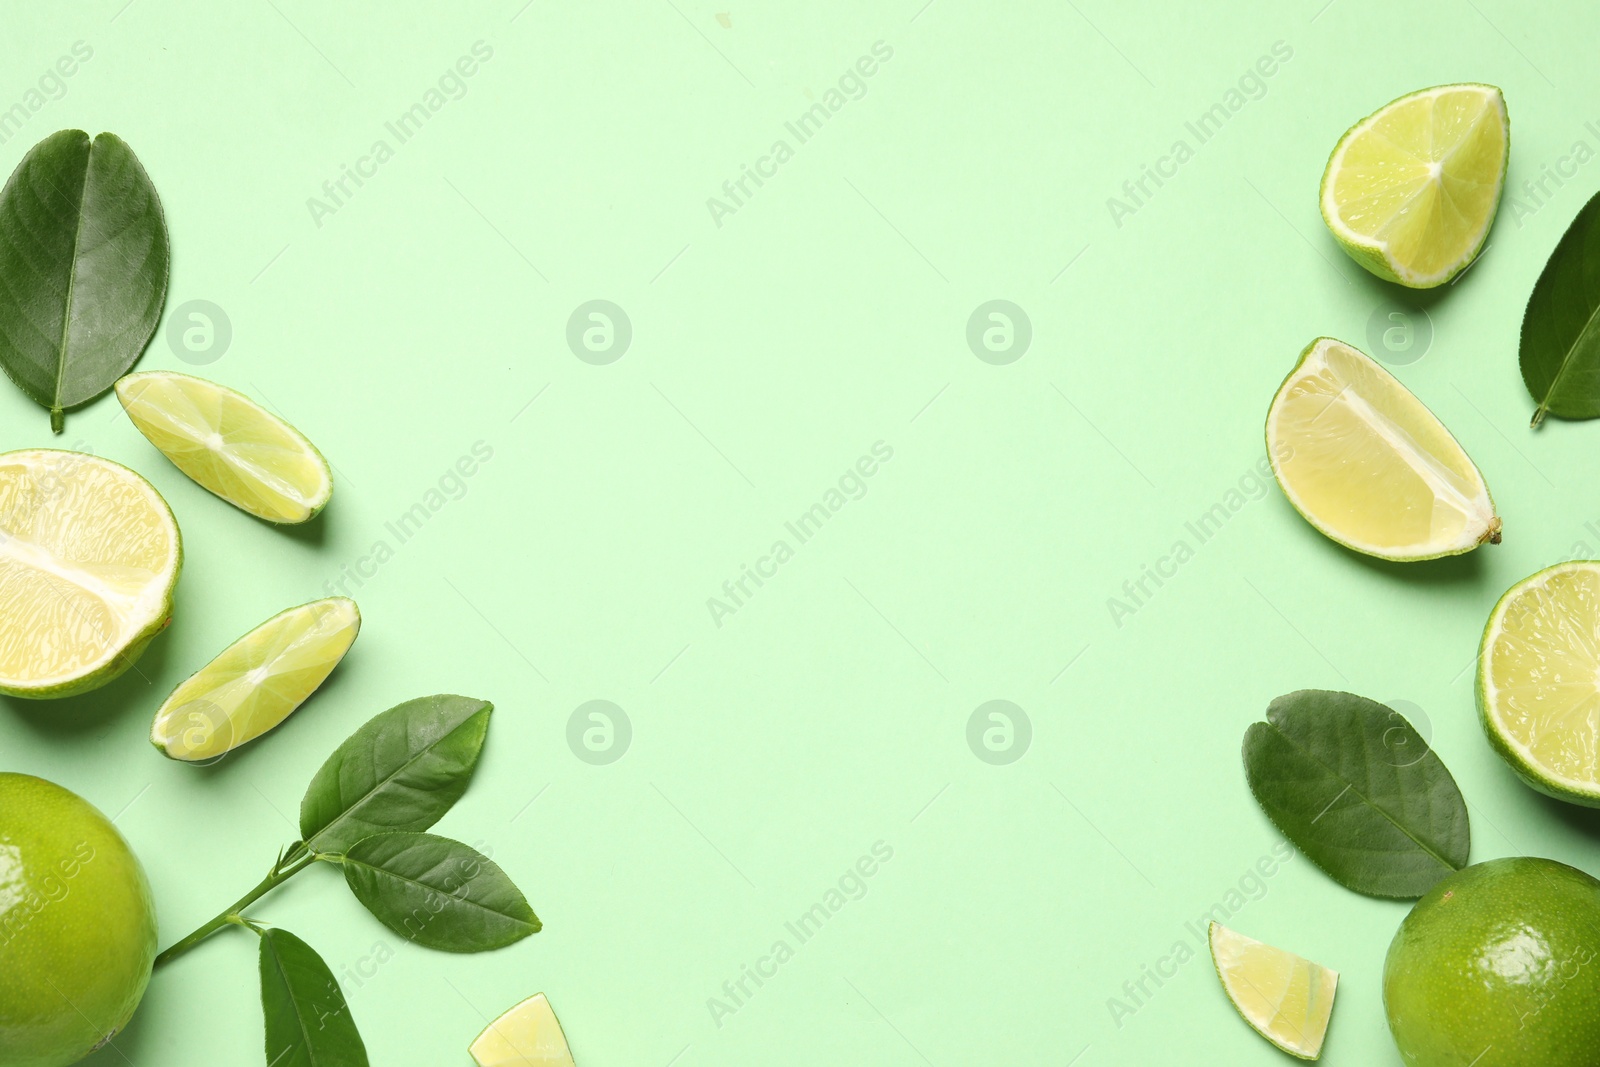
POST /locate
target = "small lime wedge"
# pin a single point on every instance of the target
(1411, 190)
(89, 555)
(229, 444)
(1369, 465)
(257, 682)
(526, 1036)
(1284, 998)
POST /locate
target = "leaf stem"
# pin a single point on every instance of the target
(291, 863)
(58, 420)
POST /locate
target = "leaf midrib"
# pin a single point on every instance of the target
(1567, 356)
(299, 1016)
(369, 794)
(432, 889)
(72, 285)
(1368, 800)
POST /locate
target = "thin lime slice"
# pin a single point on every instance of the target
(526, 1036)
(229, 444)
(1286, 999)
(1369, 465)
(256, 682)
(1411, 190)
(89, 555)
(1539, 680)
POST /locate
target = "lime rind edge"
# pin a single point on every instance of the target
(1294, 501)
(1374, 255)
(1516, 756)
(163, 709)
(1211, 943)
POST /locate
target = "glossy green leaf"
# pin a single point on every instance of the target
(1560, 349)
(437, 892)
(401, 771)
(83, 268)
(1353, 785)
(308, 1022)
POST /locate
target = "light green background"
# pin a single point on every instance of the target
(827, 313)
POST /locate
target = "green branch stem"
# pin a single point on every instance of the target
(291, 863)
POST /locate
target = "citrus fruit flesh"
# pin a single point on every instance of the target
(77, 926)
(1539, 680)
(526, 1036)
(1369, 465)
(1286, 999)
(1411, 190)
(1495, 966)
(257, 682)
(229, 444)
(89, 555)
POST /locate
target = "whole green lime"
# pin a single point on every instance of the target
(1499, 966)
(77, 926)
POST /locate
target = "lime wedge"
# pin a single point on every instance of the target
(1411, 190)
(1539, 680)
(1367, 464)
(89, 554)
(256, 682)
(229, 444)
(526, 1036)
(1284, 998)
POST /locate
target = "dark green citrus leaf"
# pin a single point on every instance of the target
(1560, 348)
(1353, 785)
(308, 1022)
(438, 892)
(401, 771)
(83, 268)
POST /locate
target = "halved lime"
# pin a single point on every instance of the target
(1367, 464)
(257, 682)
(89, 555)
(1411, 190)
(1539, 680)
(526, 1036)
(229, 444)
(1284, 998)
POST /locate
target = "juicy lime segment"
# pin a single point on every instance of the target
(1539, 680)
(257, 682)
(1367, 464)
(1284, 998)
(526, 1036)
(89, 555)
(1411, 190)
(229, 444)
